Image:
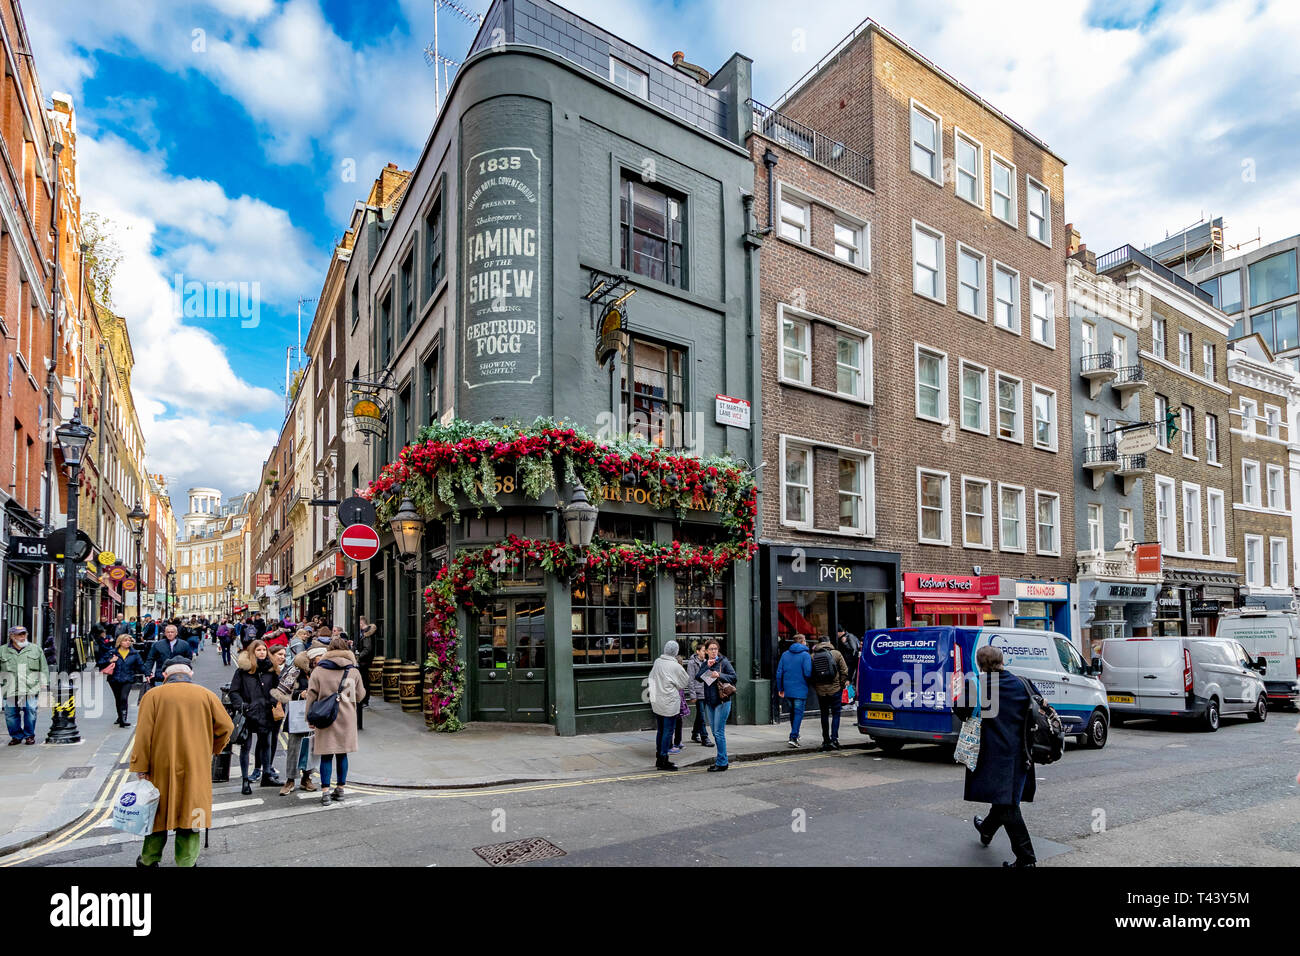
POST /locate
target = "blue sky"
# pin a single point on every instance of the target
(217, 136)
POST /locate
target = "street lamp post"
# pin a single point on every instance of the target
(230, 598)
(407, 526)
(73, 437)
(137, 517)
(169, 593)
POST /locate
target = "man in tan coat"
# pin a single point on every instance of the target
(179, 728)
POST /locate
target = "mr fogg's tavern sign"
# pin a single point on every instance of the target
(503, 335)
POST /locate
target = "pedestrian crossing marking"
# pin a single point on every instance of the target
(251, 802)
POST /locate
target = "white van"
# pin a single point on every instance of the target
(1190, 677)
(1274, 636)
(1061, 676)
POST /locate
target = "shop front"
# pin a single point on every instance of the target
(320, 583)
(1114, 609)
(1191, 602)
(960, 600)
(1043, 606)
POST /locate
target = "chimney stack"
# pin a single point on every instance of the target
(1079, 250)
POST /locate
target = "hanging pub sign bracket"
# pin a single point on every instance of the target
(606, 298)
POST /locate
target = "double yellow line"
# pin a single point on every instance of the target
(101, 811)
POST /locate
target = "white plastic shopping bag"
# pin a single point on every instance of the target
(297, 715)
(134, 807)
(968, 740)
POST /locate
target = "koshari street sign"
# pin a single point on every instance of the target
(360, 542)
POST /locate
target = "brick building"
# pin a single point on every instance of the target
(957, 307)
(1186, 500)
(1262, 389)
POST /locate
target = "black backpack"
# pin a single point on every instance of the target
(1044, 733)
(325, 710)
(823, 666)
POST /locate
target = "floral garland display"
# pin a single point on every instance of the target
(463, 462)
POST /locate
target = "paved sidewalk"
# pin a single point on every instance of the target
(45, 787)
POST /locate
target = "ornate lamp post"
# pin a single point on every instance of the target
(73, 437)
(230, 598)
(138, 517)
(408, 531)
(169, 593)
(580, 518)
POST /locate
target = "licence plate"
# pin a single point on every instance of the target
(880, 715)
(1120, 698)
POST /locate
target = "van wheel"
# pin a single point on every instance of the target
(1211, 721)
(1260, 713)
(1097, 731)
(889, 746)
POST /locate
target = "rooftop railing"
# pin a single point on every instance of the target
(795, 136)
(1127, 254)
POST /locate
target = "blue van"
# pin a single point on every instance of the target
(909, 677)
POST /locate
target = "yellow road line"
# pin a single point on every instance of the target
(95, 817)
(559, 784)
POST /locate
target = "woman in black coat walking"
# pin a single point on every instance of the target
(250, 692)
(1004, 773)
(122, 667)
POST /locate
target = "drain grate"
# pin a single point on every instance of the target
(519, 851)
(76, 773)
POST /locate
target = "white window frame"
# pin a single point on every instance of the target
(1185, 344)
(941, 279)
(1248, 418)
(1015, 306)
(983, 427)
(1269, 472)
(1272, 421)
(1281, 580)
(937, 159)
(1193, 542)
(943, 382)
(796, 322)
(1011, 182)
(1096, 527)
(946, 530)
(1167, 524)
(1158, 336)
(1021, 523)
(1208, 359)
(862, 235)
(794, 447)
(865, 383)
(1048, 318)
(1019, 437)
(787, 196)
(644, 92)
(1162, 436)
(867, 492)
(1125, 524)
(981, 292)
(1255, 500)
(987, 502)
(1256, 581)
(1215, 507)
(1030, 185)
(1187, 431)
(1087, 337)
(1054, 421)
(958, 137)
(1211, 439)
(1055, 498)
(1120, 353)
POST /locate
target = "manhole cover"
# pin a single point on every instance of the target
(76, 773)
(520, 851)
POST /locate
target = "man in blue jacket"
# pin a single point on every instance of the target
(792, 673)
(170, 645)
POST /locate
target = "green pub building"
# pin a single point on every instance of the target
(574, 244)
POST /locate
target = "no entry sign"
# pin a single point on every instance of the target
(360, 542)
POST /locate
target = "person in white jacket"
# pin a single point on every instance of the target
(667, 680)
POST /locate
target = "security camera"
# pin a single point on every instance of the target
(977, 570)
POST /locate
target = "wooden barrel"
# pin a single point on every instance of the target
(376, 677)
(425, 699)
(409, 688)
(392, 680)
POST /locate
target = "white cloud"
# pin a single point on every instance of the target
(192, 450)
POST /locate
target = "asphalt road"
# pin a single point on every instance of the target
(1154, 796)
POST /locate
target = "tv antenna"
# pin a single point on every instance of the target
(433, 52)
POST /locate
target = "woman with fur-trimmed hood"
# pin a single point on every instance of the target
(250, 693)
(336, 671)
(293, 686)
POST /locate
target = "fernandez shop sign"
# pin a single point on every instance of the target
(503, 337)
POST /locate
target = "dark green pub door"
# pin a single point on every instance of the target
(510, 676)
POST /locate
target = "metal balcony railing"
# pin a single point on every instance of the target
(1128, 254)
(1133, 463)
(795, 136)
(1098, 361)
(1131, 374)
(1096, 454)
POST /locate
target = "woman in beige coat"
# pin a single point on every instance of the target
(336, 671)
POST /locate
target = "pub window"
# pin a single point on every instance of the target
(653, 394)
(651, 234)
(433, 244)
(611, 619)
(385, 343)
(701, 610)
(430, 386)
(408, 295)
